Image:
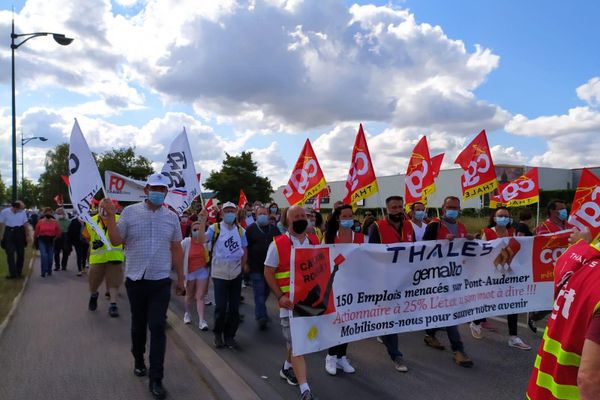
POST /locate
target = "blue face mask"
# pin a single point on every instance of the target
(346, 223)
(194, 234)
(156, 198)
(451, 214)
(563, 214)
(229, 218)
(420, 215)
(273, 210)
(502, 221)
(262, 219)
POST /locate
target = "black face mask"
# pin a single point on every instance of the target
(396, 217)
(48, 216)
(299, 226)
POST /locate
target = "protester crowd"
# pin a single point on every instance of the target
(251, 245)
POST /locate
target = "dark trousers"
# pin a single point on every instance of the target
(391, 344)
(14, 242)
(453, 336)
(81, 250)
(339, 350)
(62, 245)
(149, 301)
(227, 305)
(46, 246)
(261, 293)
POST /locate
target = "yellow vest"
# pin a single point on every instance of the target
(102, 255)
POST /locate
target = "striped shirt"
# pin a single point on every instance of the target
(147, 236)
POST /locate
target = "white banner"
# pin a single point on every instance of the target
(123, 188)
(180, 170)
(347, 292)
(84, 179)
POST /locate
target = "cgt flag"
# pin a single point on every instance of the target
(419, 179)
(307, 177)
(479, 176)
(212, 213)
(522, 191)
(585, 212)
(243, 199)
(361, 182)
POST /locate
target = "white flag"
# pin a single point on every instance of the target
(180, 170)
(84, 179)
(123, 188)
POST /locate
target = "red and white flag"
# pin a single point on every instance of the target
(436, 164)
(307, 178)
(585, 212)
(212, 212)
(520, 192)
(419, 181)
(479, 176)
(243, 200)
(361, 182)
(58, 199)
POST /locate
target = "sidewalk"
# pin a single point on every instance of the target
(54, 348)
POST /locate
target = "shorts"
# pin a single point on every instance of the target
(199, 274)
(112, 272)
(287, 333)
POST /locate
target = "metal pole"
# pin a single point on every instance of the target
(22, 169)
(14, 118)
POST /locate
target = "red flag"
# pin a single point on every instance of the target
(58, 199)
(522, 191)
(436, 164)
(307, 177)
(65, 179)
(243, 200)
(585, 212)
(419, 180)
(198, 176)
(212, 213)
(361, 182)
(476, 160)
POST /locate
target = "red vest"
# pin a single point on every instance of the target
(554, 375)
(283, 243)
(491, 234)
(389, 234)
(443, 232)
(550, 227)
(357, 238)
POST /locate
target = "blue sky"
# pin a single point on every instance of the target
(259, 76)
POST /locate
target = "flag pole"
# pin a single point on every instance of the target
(537, 214)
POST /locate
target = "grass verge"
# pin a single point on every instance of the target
(10, 288)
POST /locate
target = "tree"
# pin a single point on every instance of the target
(125, 162)
(4, 196)
(239, 172)
(50, 182)
(31, 194)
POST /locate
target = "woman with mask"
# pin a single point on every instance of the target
(499, 227)
(274, 211)
(339, 230)
(46, 231)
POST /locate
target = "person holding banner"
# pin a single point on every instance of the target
(151, 236)
(393, 229)
(339, 230)
(448, 228)
(277, 275)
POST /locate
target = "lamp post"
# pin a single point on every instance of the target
(58, 38)
(24, 141)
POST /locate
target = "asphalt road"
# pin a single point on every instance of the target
(500, 372)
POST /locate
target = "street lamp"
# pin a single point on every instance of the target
(24, 141)
(58, 38)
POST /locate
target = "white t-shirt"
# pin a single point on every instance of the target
(272, 261)
(11, 219)
(419, 230)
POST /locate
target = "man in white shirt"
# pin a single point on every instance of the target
(417, 219)
(14, 240)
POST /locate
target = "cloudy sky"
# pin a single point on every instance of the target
(263, 75)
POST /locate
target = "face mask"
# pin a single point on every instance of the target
(346, 223)
(156, 198)
(563, 214)
(262, 219)
(451, 214)
(48, 216)
(273, 210)
(300, 226)
(420, 215)
(396, 217)
(195, 234)
(357, 229)
(229, 218)
(502, 221)
(311, 223)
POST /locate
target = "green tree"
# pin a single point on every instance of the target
(50, 182)
(125, 162)
(29, 193)
(239, 172)
(4, 196)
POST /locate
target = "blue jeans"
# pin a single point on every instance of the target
(391, 344)
(227, 305)
(261, 293)
(46, 253)
(453, 336)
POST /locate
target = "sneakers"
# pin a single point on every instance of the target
(399, 365)
(516, 342)
(331, 364)
(93, 303)
(432, 341)
(475, 330)
(207, 303)
(187, 318)
(307, 395)
(79, 273)
(219, 344)
(113, 310)
(343, 364)
(289, 376)
(203, 325)
(488, 326)
(462, 359)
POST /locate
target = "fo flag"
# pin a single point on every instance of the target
(419, 180)
(180, 169)
(84, 180)
(522, 191)
(243, 199)
(307, 177)
(123, 188)
(361, 182)
(585, 212)
(476, 160)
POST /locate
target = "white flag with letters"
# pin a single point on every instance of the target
(180, 170)
(123, 188)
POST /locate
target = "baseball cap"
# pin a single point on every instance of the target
(229, 205)
(157, 180)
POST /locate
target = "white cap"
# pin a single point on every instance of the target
(157, 180)
(229, 205)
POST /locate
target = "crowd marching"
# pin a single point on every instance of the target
(252, 244)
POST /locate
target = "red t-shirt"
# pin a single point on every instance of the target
(196, 257)
(593, 332)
